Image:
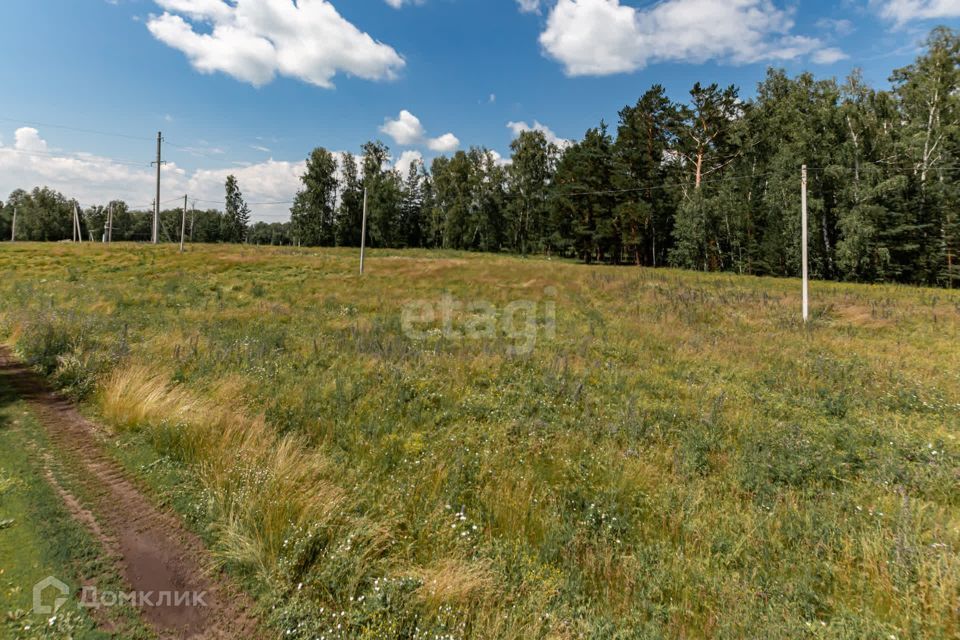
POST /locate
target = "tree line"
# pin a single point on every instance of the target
(711, 183)
(47, 215)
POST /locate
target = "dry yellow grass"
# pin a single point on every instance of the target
(455, 582)
(260, 483)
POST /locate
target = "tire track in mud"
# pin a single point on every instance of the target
(150, 546)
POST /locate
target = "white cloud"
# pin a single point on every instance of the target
(903, 11)
(828, 55)
(28, 139)
(519, 127)
(601, 37)
(396, 4)
(93, 179)
(270, 181)
(444, 144)
(407, 130)
(406, 159)
(254, 40)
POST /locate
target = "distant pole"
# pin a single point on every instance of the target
(156, 203)
(110, 224)
(806, 271)
(13, 232)
(183, 224)
(77, 233)
(193, 219)
(363, 231)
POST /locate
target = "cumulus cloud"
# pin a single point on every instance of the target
(904, 11)
(601, 37)
(28, 139)
(270, 181)
(256, 40)
(94, 179)
(407, 130)
(396, 4)
(406, 159)
(519, 127)
(444, 144)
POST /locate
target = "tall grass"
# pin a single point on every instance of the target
(260, 485)
(683, 458)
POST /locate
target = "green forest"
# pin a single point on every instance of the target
(711, 183)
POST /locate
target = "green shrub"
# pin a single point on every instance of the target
(45, 338)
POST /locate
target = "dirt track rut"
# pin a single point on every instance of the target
(151, 547)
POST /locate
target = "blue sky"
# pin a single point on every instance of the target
(250, 86)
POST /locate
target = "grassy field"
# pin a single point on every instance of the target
(475, 446)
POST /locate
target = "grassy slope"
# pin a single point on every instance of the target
(682, 459)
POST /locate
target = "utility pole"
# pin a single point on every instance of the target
(803, 216)
(13, 232)
(110, 224)
(77, 232)
(363, 231)
(183, 224)
(156, 203)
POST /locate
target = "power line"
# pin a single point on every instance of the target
(77, 129)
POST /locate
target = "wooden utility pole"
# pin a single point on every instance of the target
(803, 216)
(110, 224)
(183, 224)
(156, 203)
(363, 231)
(13, 232)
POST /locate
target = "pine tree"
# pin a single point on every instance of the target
(929, 97)
(644, 215)
(411, 207)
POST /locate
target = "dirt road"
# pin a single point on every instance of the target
(150, 546)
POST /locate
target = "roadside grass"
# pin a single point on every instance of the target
(39, 538)
(681, 458)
